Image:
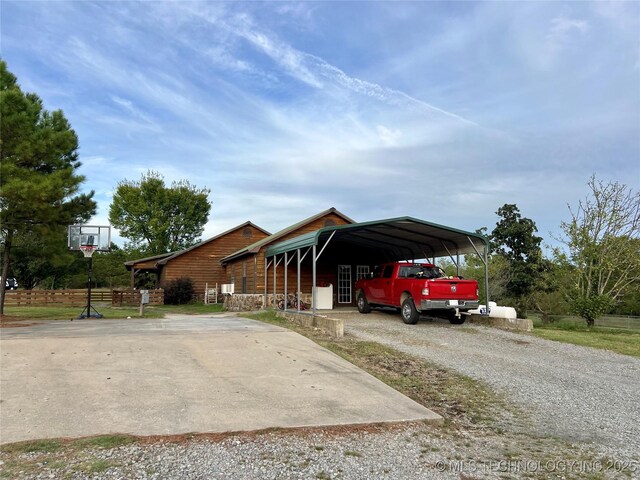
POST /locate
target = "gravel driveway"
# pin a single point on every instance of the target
(572, 392)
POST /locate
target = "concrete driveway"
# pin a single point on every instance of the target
(177, 375)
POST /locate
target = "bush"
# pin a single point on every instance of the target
(178, 291)
(590, 308)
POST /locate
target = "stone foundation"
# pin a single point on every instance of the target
(239, 302)
(248, 302)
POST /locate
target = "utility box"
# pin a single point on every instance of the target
(144, 297)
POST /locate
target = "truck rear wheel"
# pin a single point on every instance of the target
(363, 304)
(409, 313)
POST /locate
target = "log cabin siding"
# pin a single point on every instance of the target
(255, 277)
(202, 263)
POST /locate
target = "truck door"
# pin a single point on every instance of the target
(387, 285)
(375, 293)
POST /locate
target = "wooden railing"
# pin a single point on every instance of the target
(78, 297)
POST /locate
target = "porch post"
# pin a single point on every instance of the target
(266, 270)
(313, 286)
(298, 291)
(286, 263)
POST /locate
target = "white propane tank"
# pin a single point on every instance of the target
(503, 312)
(496, 311)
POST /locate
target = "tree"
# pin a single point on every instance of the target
(549, 297)
(39, 186)
(514, 239)
(39, 257)
(603, 242)
(108, 267)
(157, 218)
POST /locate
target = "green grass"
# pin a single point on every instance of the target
(626, 342)
(569, 321)
(104, 441)
(96, 466)
(190, 308)
(34, 446)
(67, 313)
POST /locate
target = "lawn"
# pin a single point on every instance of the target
(626, 342)
(109, 312)
(64, 313)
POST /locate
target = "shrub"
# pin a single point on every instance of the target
(178, 291)
(590, 308)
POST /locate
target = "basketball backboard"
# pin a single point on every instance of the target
(82, 235)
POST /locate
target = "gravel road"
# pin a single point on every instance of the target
(572, 392)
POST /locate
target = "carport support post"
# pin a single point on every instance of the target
(313, 286)
(286, 263)
(486, 278)
(298, 291)
(266, 270)
(275, 280)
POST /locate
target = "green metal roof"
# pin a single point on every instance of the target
(255, 247)
(400, 238)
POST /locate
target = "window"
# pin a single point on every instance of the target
(362, 271)
(329, 223)
(247, 232)
(388, 271)
(244, 277)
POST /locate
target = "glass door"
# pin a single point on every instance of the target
(344, 283)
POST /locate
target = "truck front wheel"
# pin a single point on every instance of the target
(409, 313)
(363, 304)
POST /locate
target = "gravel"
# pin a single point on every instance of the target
(572, 392)
(401, 452)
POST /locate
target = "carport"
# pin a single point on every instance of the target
(391, 240)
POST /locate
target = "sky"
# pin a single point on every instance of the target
(439, 111)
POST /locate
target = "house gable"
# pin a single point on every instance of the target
(329, 217)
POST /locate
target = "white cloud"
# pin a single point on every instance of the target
(388, 136)
(562, 30)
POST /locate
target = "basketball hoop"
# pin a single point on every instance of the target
(88, 250)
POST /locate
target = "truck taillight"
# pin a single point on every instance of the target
(477, 292)
(425, 291)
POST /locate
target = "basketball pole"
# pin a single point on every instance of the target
(87, 309)
(89, 286)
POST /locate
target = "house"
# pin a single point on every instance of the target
(328, 251)
(246, 267)
(201, 262)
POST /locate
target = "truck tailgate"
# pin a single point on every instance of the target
(445, 288)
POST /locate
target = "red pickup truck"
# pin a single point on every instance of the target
(417, 288)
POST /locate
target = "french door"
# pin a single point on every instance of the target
(344, 284)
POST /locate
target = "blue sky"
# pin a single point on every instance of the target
(441, 111)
